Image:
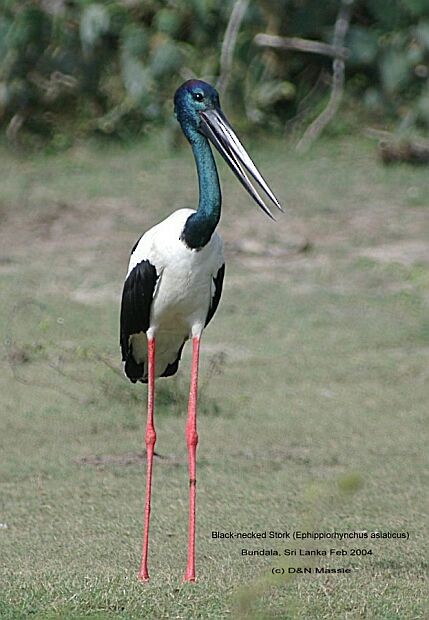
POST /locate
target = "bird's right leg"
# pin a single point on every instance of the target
(191, 442)
(150, 438)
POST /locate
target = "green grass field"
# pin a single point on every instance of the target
(313, 389)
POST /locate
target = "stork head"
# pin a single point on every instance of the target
(192, 98)
(197, 108)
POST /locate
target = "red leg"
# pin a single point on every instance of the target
(150, 438)
(191, 436)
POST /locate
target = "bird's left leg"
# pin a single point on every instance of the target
(150, 438)
(191, 436)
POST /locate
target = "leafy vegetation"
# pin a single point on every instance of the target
(74, 67)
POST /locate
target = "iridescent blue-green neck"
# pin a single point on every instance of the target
(201, 225)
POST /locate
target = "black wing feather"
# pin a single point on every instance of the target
(218, 282)
(136, 303)
(172, 368)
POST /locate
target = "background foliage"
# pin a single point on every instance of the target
(75, 67)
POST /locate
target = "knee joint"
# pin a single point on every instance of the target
(191, 438)
(150, 437)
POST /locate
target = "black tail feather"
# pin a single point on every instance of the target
(134, 371)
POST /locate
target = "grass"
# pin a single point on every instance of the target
(313, 391)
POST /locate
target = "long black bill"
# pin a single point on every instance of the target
(216, 127)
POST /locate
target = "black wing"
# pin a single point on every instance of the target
(172, 368)
(218, 282)
(137, 298)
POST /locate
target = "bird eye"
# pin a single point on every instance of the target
(198, 96)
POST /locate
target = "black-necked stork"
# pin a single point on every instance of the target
(174, 280)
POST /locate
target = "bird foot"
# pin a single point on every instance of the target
(189, 576)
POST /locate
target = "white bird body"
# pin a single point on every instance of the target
(184, 289)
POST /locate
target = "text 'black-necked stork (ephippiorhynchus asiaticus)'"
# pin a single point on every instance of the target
(174, 280)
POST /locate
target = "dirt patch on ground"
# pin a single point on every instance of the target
(122, 460)
(404, 252)
(297, 454)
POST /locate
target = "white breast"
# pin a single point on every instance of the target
(185, 277)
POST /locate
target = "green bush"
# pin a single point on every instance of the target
(74, 67)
